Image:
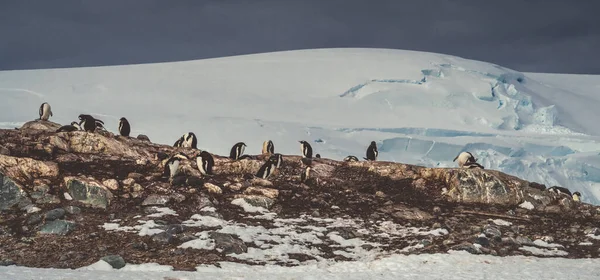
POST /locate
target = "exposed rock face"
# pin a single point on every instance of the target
(98, 190)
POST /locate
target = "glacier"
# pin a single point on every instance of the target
(421, 108)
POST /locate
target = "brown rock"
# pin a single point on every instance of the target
(111, 184)
(268, 192)
(212, 188)
(27, 169)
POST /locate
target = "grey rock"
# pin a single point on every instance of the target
(55, 214)
(259, 201)
(115, 261)
(492, 232)
(140, 246)
(425, 242)
(143, 137)
(466, 247)
(176, 229)
(228, 243)
(134, 175)
(88, 192)
(7, 262)
(163, 237)
(34, 219)
(73, 210)
(593, 231)
(155, 199)
(204, 201)
(11, 193)
(4, 151)
(177, 197)
(521, 240)
(60, 227)
(483, 241)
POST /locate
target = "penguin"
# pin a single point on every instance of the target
(266, 169)
(172, 165)
(560, 190)
(124, 127)
(372, 152)
(45, 111)
(245, 157)
(577, 196)
(318, 156)
(464, 157)
(88, 123)
(472, 165)
(268, 147)
(237, 150)
(74, 126)
(350, 158)
(306, 149)
(205, 162)
(188, 140)
(277, 159)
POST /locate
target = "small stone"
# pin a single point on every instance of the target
(68, 196)
(135, 176)
(437, 209)
(522, 240)
(176, 229)
(228, 243)
(111, 184)
(259, 201)
(482, 240)
(163, 237)
(436, 225)
(593, 231)
(142, 246)
(261, 182)
(574, 230)
(466, 247)
(55, 214)
(128, 181)
(476, 229)
(34, 219)
(548, 239)
(30, 209)
(235, 186)
(425, 242)
(380, 194)
(492, 232)
(115, 261)
(204, 201)
(155, 199)
(137, 187)
(212, 188)
(178, 197)
(73, 210)
(60, 227)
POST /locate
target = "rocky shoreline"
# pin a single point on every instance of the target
(69, 199)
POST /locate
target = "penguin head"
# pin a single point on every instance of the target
(74, 124)
(123, 119)
(577, 196)
(303, 142)
(318, 156)
(181, 156)
(373, 143)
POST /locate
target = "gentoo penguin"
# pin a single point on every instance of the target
(237, 150)
(306, 149)
(45, 111)
(350, 158)
(464, 158)
(88, 123)
(74, 126)
(205, 163)
(124, 127)
(277, 159)
(188, 140)
(577, 196)
(372, 152)
(318, 155)
(172, 165)
(268, 147)
(266, 169)
(560, 190)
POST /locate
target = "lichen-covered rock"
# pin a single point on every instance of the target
(116, 261)
(155, 199)
(228, 243)
(268, 192)
(60, 227)
(111, 184)
(27, 169)
(40, 125)
(88, 192)
(11, 193)
(257, 200)
(212, 188)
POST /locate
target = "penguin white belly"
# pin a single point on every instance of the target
(201, 166)
(173, 168)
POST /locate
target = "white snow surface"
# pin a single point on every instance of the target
(421, 108)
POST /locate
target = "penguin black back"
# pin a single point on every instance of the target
(350, 158)
(277, 159)
(87, 123)
(237, 150)
(124, 127)
(266, 170)
(205, 162)
(372, 152)
(306, 149)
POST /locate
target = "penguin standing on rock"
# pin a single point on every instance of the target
(277, 159)
(172, 165)
(560, 190)
(188, 140)
(305, 174)
(74, 126)
(205, 162)
(268, 147)
(266, 169)
(124, 127)
(237, 150)
(89, 123)
(372, 152)
(465, 158)
(45, 111)
(306, 149)
(577, 196)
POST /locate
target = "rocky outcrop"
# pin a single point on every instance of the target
(106, 191)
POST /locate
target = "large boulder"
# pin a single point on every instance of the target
(11, 193)
(88, 191)
(40, 125)
(26, 169)
(94, 143)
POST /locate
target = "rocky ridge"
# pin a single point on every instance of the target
(69, 199)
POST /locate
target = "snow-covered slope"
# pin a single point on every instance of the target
(421, 108)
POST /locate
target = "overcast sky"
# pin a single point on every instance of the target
(526, 35)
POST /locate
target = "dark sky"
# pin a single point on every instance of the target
(526, 35)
